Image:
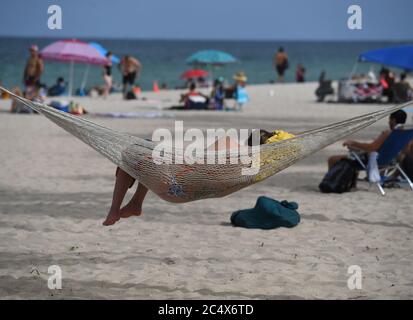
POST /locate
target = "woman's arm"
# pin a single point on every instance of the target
(368, 147)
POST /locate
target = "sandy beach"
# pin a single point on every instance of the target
(55, 192)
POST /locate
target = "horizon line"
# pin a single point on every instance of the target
(205, 39)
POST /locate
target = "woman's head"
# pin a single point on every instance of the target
(397, 117)
(262, 136)
(192, 86)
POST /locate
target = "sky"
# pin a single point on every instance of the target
(210, 19)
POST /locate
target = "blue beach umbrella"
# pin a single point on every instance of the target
(210, 57)
(103, 51)
(399, 57)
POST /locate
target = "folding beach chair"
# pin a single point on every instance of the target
(387, 154)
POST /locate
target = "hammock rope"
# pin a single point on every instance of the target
(188, 182)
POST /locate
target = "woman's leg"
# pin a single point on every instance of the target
(134, 207)
(123, 181)
(225, 143)
(108, 86)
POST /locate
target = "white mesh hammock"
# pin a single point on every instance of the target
(189, 182)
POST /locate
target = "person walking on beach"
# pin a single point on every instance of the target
(281, 63)
(107, 75)
(131, 68)
(33, 70)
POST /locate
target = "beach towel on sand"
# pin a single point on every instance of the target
(267, 214)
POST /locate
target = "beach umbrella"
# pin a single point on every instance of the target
(72, 51)
(196, 73)
(104, 51)
(399, 57)
(211, 57)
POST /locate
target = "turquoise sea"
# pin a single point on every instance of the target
(164, 60)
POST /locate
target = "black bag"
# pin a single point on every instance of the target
(340, 178)
(130, 95)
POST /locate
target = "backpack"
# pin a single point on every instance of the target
(130, 95)
(340, 178)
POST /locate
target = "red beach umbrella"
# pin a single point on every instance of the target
(196, 73)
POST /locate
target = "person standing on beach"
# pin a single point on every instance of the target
(300, 73)
(281, 63)
(33, 70)
(107, 74)
(131, 68)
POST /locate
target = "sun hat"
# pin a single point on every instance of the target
(240, 76)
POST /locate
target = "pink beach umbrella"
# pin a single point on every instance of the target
(72, 51)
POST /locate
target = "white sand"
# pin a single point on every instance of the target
(55, 192)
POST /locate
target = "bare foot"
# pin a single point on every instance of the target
(130, 210)
(112, 218)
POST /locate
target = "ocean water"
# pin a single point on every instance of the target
(164, 60)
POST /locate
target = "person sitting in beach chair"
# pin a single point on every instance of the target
(58, 89)
(402, 91)
(396, 120)
(387, 82)
(194, 99)
(383, 165)
(324, 87)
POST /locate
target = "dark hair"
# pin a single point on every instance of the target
(108, 53)
(402, 76)
(192, 86)
(280, 49)
(399, 116)
(264, 135)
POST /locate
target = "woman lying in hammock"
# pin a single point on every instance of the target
(124, 181)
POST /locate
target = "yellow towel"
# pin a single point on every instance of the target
(279, 135)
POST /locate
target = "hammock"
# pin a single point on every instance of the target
(188, 182)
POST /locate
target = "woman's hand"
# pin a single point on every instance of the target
(348, 143)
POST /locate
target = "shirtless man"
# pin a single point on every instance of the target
(130, 68)
(395, 119)
(34, 69)
(280, 63)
